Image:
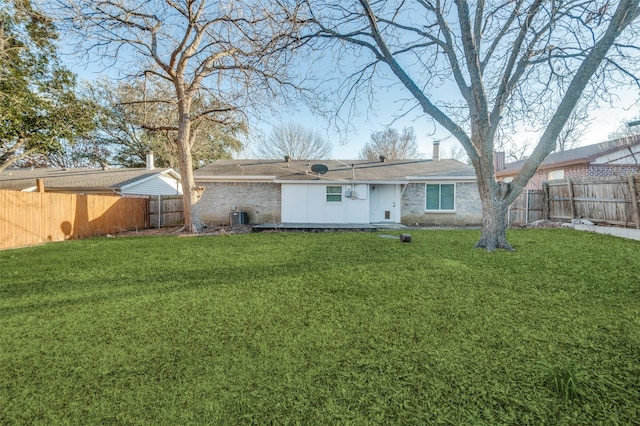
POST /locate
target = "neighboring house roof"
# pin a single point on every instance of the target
(583, 155)
(345, 170)
(81, 180)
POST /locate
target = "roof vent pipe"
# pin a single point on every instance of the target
(150, 161)
(436, 151)
(382, 158)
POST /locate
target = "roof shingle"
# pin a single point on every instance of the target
(583, 154)
(78, 179)
(352, 170)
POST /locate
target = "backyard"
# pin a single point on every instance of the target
(327, 328)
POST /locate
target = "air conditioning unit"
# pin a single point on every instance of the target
(238, 218)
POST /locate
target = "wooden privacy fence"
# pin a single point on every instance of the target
(605, 200)
(166, 210)
(28, 218)
(602, 200)
(527, 208)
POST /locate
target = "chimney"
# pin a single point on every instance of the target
(436, 151)
(498, 161)
(382, 158)
(150, 162)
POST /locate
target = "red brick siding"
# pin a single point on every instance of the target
(598, 170)
(592, 170)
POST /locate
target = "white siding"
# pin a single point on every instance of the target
(307, 203)
(158, 185)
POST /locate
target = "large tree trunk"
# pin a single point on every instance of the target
(191, 194)
(495, 206)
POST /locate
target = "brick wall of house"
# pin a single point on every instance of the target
(598, 170)
(261, 201)
(468, 206)
(592, 170)
(536, 180)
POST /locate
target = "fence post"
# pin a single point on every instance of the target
(546, 203)
(634, 200)
(159, 211)
(571, 203)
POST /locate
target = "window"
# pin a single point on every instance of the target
(556, 174)
(334, 194)
(441, 196)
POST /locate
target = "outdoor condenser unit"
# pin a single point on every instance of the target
(238, 218)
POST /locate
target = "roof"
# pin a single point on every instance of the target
(582, 155)
(84, 179)
(337, 170)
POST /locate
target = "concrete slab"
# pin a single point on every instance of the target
(327, 227)
(314, 227)
(633, 234)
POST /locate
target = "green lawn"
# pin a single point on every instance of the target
(340, 328)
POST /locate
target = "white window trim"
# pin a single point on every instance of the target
(455, 197)
(341, 194)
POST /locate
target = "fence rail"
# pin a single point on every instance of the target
(527, 208)
(602, 200)
(166, 210)
(28, 218)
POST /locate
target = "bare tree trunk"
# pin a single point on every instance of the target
(495, 206)
(191, 194)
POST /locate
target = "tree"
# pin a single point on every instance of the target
(484, 67)
(624, 129)
(81, 152)
(127, 125)
(39, 108)
(574, 129)
(392, 144)
(228, 50)
(457, 152)
(295, 141)
(515, 150)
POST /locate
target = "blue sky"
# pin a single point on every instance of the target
(384, 110)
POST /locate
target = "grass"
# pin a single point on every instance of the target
(343, 328)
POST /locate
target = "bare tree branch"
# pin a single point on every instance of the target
(232, 51)
(482, 69)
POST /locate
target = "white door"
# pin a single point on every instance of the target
(384, 203)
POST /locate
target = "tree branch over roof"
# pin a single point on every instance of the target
(486, 68)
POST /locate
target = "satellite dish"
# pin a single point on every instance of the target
(319, 168)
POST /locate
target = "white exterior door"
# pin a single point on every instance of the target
(384, 203)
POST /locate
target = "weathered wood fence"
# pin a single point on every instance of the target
(527, 208)
(166, 210)
(612, 201)
(28, 218)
